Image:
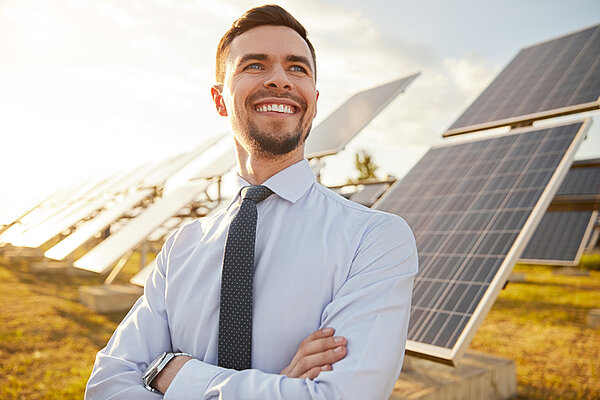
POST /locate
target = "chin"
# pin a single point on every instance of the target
(273, 143)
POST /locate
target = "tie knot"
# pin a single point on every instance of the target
(256, 193)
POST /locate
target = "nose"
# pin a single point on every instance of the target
(278, 79)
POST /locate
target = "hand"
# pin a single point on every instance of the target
(316, 353)
(165, 377)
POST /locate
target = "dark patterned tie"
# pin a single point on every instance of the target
(235, 315)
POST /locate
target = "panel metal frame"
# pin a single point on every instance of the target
(582, 246)
(451, 356)
(526, 119)
(593, 240)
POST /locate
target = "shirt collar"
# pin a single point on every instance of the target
(289, 184)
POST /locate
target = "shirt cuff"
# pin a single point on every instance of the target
(192, 380)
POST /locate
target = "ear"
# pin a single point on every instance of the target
(216, 92)
(316, 102)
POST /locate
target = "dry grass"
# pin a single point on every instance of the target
(541, 324)
(48, 339)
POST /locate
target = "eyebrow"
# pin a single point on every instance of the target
(264, 57)
(253, 56)
(299, 59)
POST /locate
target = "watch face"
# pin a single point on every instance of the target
(151, 371)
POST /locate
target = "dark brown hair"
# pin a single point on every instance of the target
(264, 15)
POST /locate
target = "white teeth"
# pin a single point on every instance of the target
(282, 108)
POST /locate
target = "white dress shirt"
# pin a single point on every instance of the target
(321, 261)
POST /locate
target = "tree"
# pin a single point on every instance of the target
(365, 166)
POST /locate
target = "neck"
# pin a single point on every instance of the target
(256, 169)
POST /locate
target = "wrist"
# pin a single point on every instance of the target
(165, 377)
(153, 378)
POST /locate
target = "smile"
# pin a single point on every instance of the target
(281, 108)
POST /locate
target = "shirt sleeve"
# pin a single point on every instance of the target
(140, 338)
(371, 309)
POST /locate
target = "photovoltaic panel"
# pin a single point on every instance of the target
(557, 77)
(369, 194)
(103, 256)
(562, 236)
(334, 132)
(583, 179)
(88, 229)
(560, 239)
(472, 207)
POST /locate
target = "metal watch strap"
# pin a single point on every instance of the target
(159, 368)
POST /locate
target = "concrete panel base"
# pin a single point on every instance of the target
(17, 254)
(517, 277)
(109, 298)
(58, 267)
(571, 271)
(477, 376)
(593, 318)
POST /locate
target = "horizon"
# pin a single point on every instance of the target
(93, 87)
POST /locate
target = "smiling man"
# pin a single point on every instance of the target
(290, 292)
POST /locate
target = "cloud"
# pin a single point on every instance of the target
(139, 73)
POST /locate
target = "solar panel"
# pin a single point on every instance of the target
(557, 77)
(560, 239)
(562, 236)
(56, 204)
(139, 279)
(472, 207)
(369, 194)
(85, 231)
(335, 131)
(583, 179)
(103, 256)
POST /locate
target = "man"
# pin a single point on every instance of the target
(332, 280)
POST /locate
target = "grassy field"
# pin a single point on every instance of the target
(48, 340)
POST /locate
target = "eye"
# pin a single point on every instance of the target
(298, 68)
(253, 66)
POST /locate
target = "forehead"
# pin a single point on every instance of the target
(274, 41)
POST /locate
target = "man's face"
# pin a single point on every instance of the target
(269, 90)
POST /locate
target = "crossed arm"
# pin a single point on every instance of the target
(316, 354)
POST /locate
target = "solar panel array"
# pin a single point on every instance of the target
(560, 238)
(335, 131)
(472, 207)
(557, 77)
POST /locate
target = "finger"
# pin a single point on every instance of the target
(306, 347)
(321, 345)
(318, 334)
(327, 357)
(314, 372)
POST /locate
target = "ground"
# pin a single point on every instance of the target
(48, 340)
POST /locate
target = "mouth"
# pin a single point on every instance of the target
(276, 108)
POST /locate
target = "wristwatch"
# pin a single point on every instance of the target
(156, 366)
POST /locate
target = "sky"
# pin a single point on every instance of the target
(91, 87)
